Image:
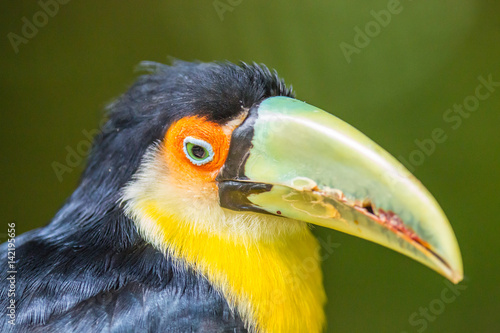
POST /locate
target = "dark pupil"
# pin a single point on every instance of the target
(198, 151)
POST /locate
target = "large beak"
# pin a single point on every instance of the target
(291, 159)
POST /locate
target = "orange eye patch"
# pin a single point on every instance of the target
(196, 149)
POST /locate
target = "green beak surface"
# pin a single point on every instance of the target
(291, 159)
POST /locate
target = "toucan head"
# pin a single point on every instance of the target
(227, 150)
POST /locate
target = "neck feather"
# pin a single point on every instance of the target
(274, 284)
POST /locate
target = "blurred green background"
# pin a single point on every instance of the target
(396, 90)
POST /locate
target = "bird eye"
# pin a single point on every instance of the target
(199, 152)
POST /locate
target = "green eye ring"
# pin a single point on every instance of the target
(199, 152)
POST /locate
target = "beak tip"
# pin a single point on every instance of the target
(454, 271)
(456, 276)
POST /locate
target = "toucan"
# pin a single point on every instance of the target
(195, 208)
